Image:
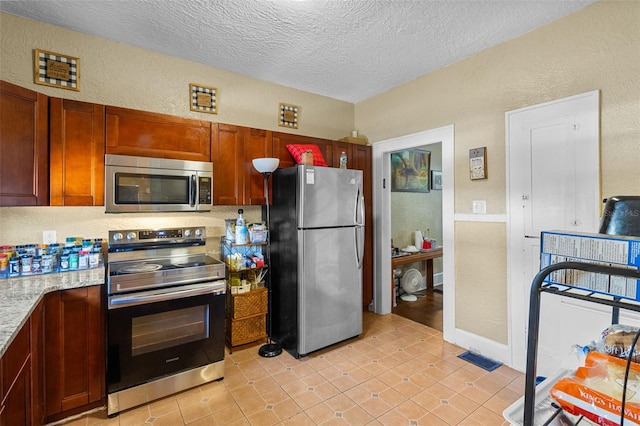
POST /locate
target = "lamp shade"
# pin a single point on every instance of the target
(266, 165)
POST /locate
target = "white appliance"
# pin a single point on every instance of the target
(317, 245)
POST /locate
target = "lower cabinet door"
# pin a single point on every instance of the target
(17, 404)
(74, 351)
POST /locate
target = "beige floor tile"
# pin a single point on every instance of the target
(194, 411)
(300, 419)
(263, 418)
(482, 417)
(320, 413)
(286, 409)
(396, 373)
(356, 416)
(252, 405)
(229, 415)
(169, 419)
(448, 414)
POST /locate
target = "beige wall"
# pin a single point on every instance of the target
(116, 74)
(595, 48)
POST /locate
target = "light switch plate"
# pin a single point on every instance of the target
(479, 206)
(48, 237)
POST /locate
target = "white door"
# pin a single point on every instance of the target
(553, 183)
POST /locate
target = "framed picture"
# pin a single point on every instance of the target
(436, 179)
(55, 69)
(288, 116)
(410, 170)
(203, 98)
(478, 163)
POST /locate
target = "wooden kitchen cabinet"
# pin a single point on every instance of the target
(76, 149)
(24, 153)
(228, 164)
(235, 180)
(257, 144)
(16, 380)
(281, 140)
(360, 159)
(74, 357)
(149, 134)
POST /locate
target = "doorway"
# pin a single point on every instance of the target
(416, 208)
(382, 300)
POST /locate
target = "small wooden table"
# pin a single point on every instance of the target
(426, 256)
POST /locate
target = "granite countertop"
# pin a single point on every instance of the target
(20, 295)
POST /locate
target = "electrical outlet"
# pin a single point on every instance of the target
(48, 237)
(479, 206)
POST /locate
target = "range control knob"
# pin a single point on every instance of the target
(187, 233)
(117, 236)
(131, 236)
(198, 233)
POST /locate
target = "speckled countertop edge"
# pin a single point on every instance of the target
(19, 296)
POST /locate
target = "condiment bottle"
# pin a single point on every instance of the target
(241, 228)
(343, 160)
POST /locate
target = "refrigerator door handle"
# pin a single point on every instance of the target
(359, 229)
(359, 210)
(359, 235)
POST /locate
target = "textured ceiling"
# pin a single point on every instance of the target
(344, 49)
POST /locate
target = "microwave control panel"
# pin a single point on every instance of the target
(205, 190)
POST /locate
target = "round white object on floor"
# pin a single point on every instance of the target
(408, 297)
(411, 280)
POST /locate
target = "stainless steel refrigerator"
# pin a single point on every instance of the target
(317, 244)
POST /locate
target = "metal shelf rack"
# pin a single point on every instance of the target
(538, 287)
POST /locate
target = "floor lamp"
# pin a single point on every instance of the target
(266, 166)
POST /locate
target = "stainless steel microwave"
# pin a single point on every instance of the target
(143, 184)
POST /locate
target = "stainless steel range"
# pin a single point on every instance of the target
(165, 316)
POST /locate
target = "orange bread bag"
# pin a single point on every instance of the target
(595, 391)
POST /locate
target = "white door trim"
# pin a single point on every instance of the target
(382, 223)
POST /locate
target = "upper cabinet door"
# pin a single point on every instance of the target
(228, 164)
(148, 134)
(76, 139)
(24, 154)
(257, 144)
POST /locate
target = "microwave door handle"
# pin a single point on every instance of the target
(192, 191)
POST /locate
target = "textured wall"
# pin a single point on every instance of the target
(116, 74)
(595, 48)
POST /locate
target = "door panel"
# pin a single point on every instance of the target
(553, 156)
(330, 290)
(328, 196)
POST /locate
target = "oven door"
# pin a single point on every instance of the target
(155, 334)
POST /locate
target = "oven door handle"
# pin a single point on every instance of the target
(161, 296)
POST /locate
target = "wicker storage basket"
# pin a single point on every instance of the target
(247, 304)
(246, 330)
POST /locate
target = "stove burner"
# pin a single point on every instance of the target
(189, 264)
(140, 268)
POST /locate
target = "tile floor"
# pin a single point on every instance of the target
(398, 372)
